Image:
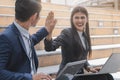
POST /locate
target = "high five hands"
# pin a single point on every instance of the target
(50, 22)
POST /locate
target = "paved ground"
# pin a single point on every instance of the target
(54, 69)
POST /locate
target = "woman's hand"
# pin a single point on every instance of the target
(93, 69)
(50, 22)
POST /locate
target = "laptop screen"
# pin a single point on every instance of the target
(71, 68)
(112, 65)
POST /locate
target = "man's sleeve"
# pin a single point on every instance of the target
(40, 34)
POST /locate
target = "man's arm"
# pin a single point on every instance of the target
(40, 34)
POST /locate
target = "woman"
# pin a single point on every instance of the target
(75, 41)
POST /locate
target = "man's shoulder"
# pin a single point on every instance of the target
(8, 32)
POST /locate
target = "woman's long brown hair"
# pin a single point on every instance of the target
(84, 11)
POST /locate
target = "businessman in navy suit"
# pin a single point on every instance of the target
(18, 60)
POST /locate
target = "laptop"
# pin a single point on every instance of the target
(71, 68)
(112, 65)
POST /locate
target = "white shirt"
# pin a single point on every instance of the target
(26, 37)
(82, 39)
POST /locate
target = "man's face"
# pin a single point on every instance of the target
(35, 21)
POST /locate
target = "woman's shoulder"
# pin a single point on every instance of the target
(67, 30)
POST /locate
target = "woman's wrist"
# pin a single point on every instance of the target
(49, 37)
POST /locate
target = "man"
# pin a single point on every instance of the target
(18, 60)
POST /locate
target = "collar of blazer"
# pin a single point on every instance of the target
(77, 40)
(16, 31)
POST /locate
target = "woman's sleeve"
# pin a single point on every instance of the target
(52, 45)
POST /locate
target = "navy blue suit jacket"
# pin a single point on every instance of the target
(14, 63)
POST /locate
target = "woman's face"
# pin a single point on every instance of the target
(79, 21)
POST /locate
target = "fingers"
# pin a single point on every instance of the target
(50, 22)
(50, 18)
(46, 77)
(49, 77)
(41, 76)
(55, 21)
(94, 70)
(98, 68)
(50, 15)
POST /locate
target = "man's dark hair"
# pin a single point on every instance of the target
(24, 9)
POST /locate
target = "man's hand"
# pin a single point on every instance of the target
(41, 76)
(50, 22)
